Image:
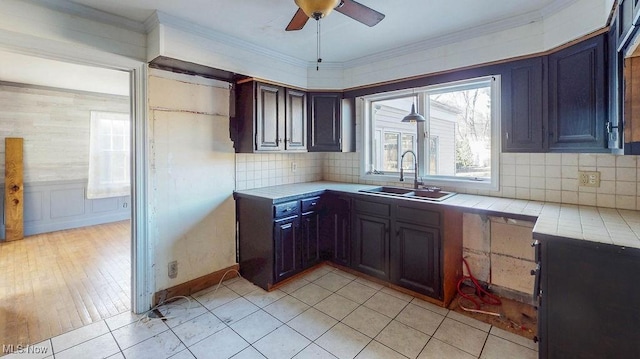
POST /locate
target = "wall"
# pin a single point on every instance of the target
(175, 38)
(55, 126)
(271, 169)
(498, 251)
(192, 211)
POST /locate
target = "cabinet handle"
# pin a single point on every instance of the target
(536, 339)
(313, 203)
(507, 134)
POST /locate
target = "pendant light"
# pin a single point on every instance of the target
(413, 116)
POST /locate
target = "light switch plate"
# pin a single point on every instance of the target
(589, 178)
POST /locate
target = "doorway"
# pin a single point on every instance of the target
(137, 273)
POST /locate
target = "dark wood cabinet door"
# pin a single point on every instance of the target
(590, 286)
(310, 233)
(522, 108)
(287, 248)
(370, 245)
(325, 122)
(296, 121)
(269, 129)
(415, 258)
(577, 91)
(336, 231)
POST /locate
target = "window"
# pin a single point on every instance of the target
(458, 145)
(109, 155)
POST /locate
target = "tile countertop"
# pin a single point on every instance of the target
(602, 225)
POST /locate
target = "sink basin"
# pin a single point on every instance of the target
(432, 195)
(389, 190)
(424, 194)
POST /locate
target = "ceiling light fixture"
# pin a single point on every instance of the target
(317, 9)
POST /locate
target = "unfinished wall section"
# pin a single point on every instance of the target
(499, 253)
(192, 177)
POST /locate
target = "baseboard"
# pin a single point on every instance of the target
(195, 285)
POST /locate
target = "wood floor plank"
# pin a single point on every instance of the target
(56, 282)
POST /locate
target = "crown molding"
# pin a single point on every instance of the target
(71, 8)
(180, 24)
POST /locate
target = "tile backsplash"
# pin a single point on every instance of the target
(271, 169)
(550, 177)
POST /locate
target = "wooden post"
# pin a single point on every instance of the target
(13, 191)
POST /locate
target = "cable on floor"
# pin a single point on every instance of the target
(480, 294)
(166, 304)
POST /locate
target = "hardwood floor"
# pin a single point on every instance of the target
(55, 282)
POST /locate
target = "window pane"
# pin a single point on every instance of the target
(391, 152)
(434, 158)
(408, 143)
(461, 120)
(397, 136)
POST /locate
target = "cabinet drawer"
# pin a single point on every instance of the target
(377, 209)
(285, 209)
(419, 216)
(310, 204)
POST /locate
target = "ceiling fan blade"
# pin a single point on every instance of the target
(298, 21)
(359, 12)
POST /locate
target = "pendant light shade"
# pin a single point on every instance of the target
(413, 116)
(317, 9)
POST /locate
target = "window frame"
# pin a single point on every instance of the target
(421, 95)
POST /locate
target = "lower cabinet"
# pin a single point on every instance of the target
(288, 247)
(399, 241)
(294, 244)
(588, 296)
(370, 245)
(310, 238)
(370, 241)
(336, 229)
(416, 250)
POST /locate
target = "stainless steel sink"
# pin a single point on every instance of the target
(429, 194)
(389, 190)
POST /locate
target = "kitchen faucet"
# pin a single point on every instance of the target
(415, 168)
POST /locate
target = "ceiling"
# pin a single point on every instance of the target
(262, 22)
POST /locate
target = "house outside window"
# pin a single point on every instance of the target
(457, 146)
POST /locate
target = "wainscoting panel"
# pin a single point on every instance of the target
(57, 205)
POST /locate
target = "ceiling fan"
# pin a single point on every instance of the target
(317, 9)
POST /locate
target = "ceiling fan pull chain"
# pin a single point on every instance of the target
(318, 45)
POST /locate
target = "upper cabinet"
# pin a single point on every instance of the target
(330, 123)
(577, 97)
(269, 118)
(273, 118)
(296, 120)
(557, 102)
(522, 108)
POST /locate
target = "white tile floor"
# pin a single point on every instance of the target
(325, 314)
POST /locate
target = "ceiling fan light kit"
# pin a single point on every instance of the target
(317, 9)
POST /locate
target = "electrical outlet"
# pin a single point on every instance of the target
(589, 178)
(173, 269)
(294, 166)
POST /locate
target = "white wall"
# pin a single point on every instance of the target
(55, 125)
(185, 41)
(192, 211)
(25, 19)
(475, 47)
